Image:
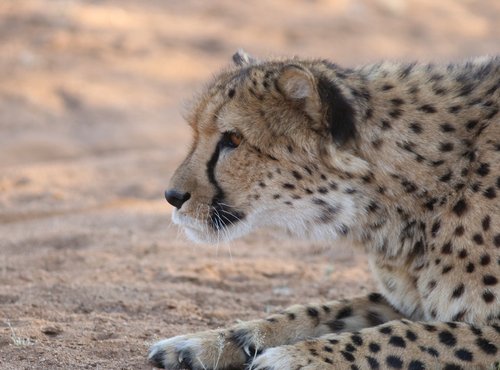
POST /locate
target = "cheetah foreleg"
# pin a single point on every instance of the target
(400, 344)
(241, 344)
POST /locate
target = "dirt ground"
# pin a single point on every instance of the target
(91, 95)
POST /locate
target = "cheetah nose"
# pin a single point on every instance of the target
(176, 198)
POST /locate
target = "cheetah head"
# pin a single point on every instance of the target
(273, 146)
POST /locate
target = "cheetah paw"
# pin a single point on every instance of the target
(208, 350)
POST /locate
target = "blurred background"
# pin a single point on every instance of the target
(91, 97)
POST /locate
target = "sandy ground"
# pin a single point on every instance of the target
(91, 95)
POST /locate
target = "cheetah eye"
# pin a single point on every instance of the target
(231, 139)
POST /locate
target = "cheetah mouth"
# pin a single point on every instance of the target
(222, 223)
(223, 216)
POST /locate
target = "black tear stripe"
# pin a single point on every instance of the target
(340, 114)
(220, 215)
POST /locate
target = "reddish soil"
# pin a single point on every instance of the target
(91, 270)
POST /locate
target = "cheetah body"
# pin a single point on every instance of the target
(403, 159)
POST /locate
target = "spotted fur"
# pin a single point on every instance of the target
(403, 159)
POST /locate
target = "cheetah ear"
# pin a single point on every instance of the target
(241, 58)
(296, 83)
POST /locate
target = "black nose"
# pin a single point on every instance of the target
(176, 198)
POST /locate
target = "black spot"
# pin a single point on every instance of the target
(478, 239)
(446, 147)
(328, 349)
(297, 175)
(433, 352)
(464, 354)
(447, 338)
(322, 190)
(416, 365)
(486, 346)
(348, 356)
(490, 193)
(340, 115)
(488, 296)
(313, 352)
(357, 340)
(396, 113)
(427, 108)
(325, 308)
(458, 291)
(446, 127)
(470, 268)
(485, 223)
(375, 297)
(435, 228)
(447, 248)
(437, 163)
(490, 280)
(385, 330)
(394, 362)
(411, 336)
(289, 186)
(385, 125)
(409, 186)
(446, 177)
(460, 207)
(483, 170)
(373, 206)
(387, 87)
(349, 347)
(454, 109)
(343, 313)
(416, 127)
(463, 254)
(485, 260)
(231, 93)
(452, 367)
(290, 315)
(496, 240)
(471, 124)
(447, 269)
(397, 101)
(459, 230)
(397, 341)
(373, 363)
(374, 347)
(312, 312)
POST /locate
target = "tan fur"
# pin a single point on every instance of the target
(403, 159)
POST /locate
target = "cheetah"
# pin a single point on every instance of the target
(403, 159)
